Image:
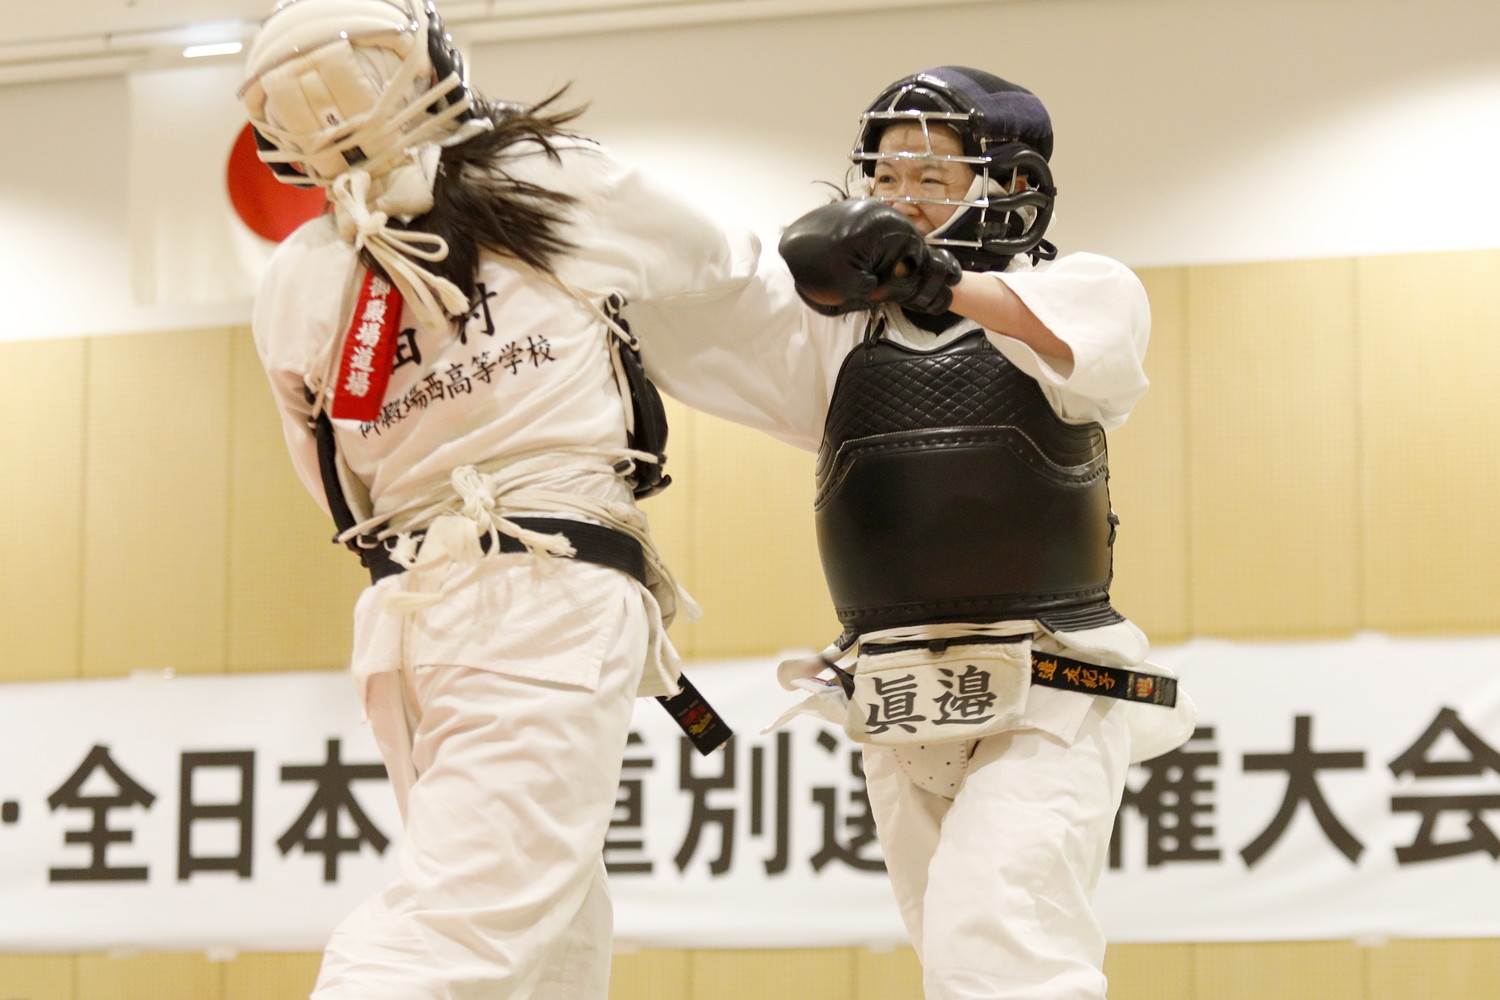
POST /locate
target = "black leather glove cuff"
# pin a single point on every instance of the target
(834, 310)
(928, 287)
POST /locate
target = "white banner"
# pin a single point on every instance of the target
(1334, 790)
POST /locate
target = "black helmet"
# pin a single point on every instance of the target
(1006, 133)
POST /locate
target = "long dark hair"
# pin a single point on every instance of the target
(477, 206)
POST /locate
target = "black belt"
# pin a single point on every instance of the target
(592, 543)
(1054, 671)
(1050, 670)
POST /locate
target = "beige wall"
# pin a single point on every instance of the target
(1314, 459)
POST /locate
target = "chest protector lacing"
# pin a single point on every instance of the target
(949, 490)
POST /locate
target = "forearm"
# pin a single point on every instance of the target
(988, 301)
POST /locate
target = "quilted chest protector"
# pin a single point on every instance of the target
(948, 490)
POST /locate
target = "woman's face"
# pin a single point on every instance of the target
(902, 178)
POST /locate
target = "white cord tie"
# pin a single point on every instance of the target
(433, 298)
(475, 506)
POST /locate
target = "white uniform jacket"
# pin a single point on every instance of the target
(523, 392)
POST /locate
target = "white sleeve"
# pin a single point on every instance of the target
(632, 234)
(1099, 308)
(756, 356)
(290, 326)
(300, 443)
(721, 326)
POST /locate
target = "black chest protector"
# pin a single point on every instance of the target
(948, 490)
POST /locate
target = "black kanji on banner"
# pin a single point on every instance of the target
(99, 768)
(1175, 801)
(629, 818)
(333, 796)
(239, 811)
(1302, 765)
(740, 809)
(704, 815)
(1418, 761)
(858, 822)
(782, 790)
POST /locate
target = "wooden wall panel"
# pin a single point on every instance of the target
(825, 973)
(156, 493)
(1273, 474)
(894, 974)
(651, 975)
(291, 591)
(149, 977)
(1298, 970)
(281, 976)
(1467, 969)
(1150, 971)
(1148, 475)
(1429, 364)
(41, 511)
(37, 977)
(754, 563)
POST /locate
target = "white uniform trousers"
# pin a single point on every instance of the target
(506, 787)
(994, 884)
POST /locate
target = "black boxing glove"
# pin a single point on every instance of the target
(857, 254)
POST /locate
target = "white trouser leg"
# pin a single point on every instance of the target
(578, 968)
(501, 894)
(909, 820)
(998, 883)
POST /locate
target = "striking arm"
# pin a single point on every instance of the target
(991, 303)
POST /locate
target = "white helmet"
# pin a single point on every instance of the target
(332, 84)
(358, 96)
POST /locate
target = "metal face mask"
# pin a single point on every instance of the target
(1006, 137)
(335, 83)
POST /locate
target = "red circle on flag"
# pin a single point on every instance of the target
(270, 208)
